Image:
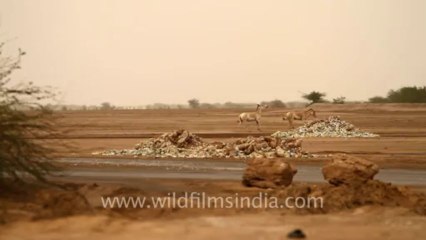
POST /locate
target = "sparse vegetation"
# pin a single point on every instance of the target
(378, 99)
(339, 100)
(23, 118)
(274, 103)
(408, 95)
(106, 106)
(403, 95)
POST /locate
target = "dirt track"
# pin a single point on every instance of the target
(129, 171)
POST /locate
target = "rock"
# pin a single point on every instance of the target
(268, 173)
(297, 233)
(280, 152)
(218, 145)
(349, 170)
(270, 154)
(241, 147)
(294, 144)
(249, 150)
(183, 138)
(273, 143)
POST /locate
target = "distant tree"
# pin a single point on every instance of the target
(408, 95)
(275, 103)
(339, 100)
(314, 97)
(378, 99)
(194, 103)
(106, 106)
(403, 95)
(23, 118)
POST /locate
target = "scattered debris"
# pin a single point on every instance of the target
(183, 144)
(268, 173)
(345, 169)
(331, 127)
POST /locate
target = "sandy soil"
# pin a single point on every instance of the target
(364, 223)
(50, 213)
(387, 120)
(40, 213)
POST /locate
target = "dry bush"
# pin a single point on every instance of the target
(23, 118)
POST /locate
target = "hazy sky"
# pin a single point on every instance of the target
(140, 52)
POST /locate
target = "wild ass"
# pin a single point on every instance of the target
(252, 116)
(299, 115)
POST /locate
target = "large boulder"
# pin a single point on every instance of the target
(349, 170)
(268, 173)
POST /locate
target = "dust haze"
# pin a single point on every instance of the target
(142, 52)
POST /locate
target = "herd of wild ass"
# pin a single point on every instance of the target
(289, 116)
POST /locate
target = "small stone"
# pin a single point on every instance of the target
(280, 152)
(297, 233)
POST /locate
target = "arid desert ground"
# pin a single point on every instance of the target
(402, 129)
(40, 213)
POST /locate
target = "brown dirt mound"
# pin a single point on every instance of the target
(33, 201)
(268, 173)
(372, 192)
(347, 169)
(60, 203)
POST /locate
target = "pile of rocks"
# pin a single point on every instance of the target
(180, 138)
(183, 144)
(179, 143)
(331, 127)
(269, 147)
